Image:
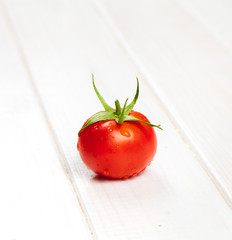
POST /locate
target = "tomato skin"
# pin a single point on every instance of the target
(118, 150)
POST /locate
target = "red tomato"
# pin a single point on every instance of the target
(118, 150)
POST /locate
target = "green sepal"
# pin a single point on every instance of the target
(103, 102)
(131, 118)
(100, 116)
(119, 115)
(131, 105)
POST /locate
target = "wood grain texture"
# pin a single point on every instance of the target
(37, 200)
(184, 51)
(63, 42)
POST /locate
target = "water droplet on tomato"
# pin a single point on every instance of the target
(106, 173)
(109, 129)
(95, 128)
(126, 133)
(125, 177)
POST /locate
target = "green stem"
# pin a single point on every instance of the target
(121, 116)
(118, 107)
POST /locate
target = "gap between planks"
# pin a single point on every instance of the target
(58, 148)
(161, 99)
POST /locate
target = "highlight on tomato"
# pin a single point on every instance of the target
(117, 142)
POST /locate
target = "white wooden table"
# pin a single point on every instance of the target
(182, 53)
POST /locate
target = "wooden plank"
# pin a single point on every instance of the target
(215, 15)
(189, 67)
(37, 200)
(63, 42)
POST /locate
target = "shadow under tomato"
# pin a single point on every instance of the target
(99, 178)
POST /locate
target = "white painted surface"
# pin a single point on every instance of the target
(184, 51)
(215, 16)
(61, 44)
(36, 197)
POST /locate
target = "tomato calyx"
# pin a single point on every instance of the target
(118, 114)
